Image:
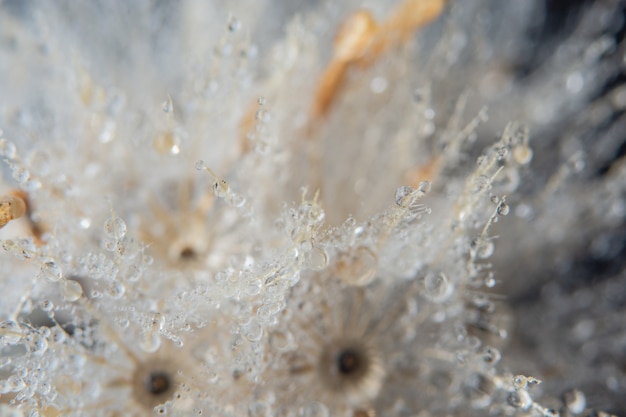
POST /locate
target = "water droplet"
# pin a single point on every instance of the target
(37, 344)
(483, 248)
(115, 228)
(491, 355)
(51, 270)
(85, 223)
(10, 332)
(317, 258)
(46, 305)
(357, 267)
(57, 335)
(261, 101)
(253, 331)
(437, 287)
(21, 174)
(160, 410)
(200, 165)
(520, 382)
(150, 342)
(575, 82)
(503, 209)
(378, 85)
(522, 154)
(7, 149)
(234, 24)
(403, 195)
(71, 290)
(575, 401)
(550, 412)
(520, 400)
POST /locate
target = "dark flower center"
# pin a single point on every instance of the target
(348, 362)
(158, 383)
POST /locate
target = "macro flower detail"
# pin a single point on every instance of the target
(360, 208)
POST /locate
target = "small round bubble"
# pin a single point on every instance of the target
(71, 290)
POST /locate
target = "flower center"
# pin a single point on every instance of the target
(348, 362)
(157, 383)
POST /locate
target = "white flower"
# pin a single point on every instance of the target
(203, 214)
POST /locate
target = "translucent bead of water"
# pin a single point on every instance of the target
(115, 227)
(437, 287)
(51, 271)
(71, 290)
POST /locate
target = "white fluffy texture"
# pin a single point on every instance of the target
(297, 237)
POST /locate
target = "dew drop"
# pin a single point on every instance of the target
(520, 382)
(10, 332)
(253, 331)
(51, 270)
(522, 154)
(483, 248)
(358, 267)
(71, 290)
(57, 335)
(261, 101)
(503, 209)
(7, 149)
(575, 401)
(317, 258)
(491, 355)
(46, 305)
(200, 165)
(21, 174)
(437, 287)
(520, 400)
(115, 228)
(150, 342)
(378, 85)
(402, 195)
(234, 24)
(160, 410)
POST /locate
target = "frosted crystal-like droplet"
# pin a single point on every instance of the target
(71, 290)
(21, 174)
(520, 400)
(575, 401)
(51, 270)
(253, 331)
(37, 344)
(484, 249)
(491, 355)
(7, 149)
(437, 287)
(115, 228)
(402, 195)
(502, 209)
(150, 342)
(10, 332)
(57, 335)
(358, 267)
(234, 24)
(317, 259)
(520, 382)
(46, 305)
